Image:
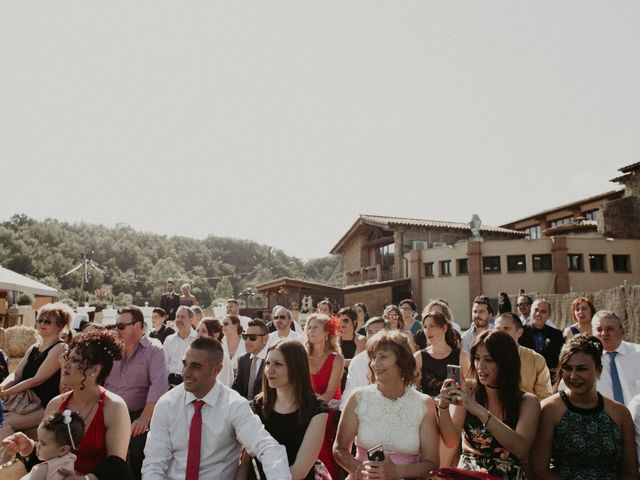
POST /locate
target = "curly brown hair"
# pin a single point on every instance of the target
(97, 347)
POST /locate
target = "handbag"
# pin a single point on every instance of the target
(22, 403)
(456, 473)
(12, 469)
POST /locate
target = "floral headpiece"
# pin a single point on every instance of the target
(333, 326)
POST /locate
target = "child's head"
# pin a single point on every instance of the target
(59, 434)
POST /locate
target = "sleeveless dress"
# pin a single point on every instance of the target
(493, 458)
(49, 388)
(394, 424)
(285, 429)
(587, 443)
(434, 371)
(348, 348)
(320, 382)
(93, 448)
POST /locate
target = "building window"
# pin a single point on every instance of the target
(575, 262)
(621, 263)
(428, 269)
(590, 215)
(386, 254)
(463, 266)
(490, 264)
(445, 268)
(516, 263)
(533, 233)
(561, 221)
(597, 262)
(542, 262)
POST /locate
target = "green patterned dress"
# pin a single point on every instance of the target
(587, 443)
(493, 458)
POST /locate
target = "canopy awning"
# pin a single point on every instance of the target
(10, 280)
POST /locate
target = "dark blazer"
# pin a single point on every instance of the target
(552, 345)
(170, 303)
(241, 383)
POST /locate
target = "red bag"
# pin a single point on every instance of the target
(461, 474)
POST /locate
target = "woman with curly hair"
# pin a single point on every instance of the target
(39, 369)
(103, 448)
(326, 364)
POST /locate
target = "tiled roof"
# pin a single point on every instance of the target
(422, 223)
(604, 196)
(621, 178)
(629, 168)
(579, 226)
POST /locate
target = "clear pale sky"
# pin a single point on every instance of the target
(281, 121)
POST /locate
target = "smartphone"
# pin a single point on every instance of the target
(376, 454)
(453, 371)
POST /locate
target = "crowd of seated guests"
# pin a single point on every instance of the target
(345, 395)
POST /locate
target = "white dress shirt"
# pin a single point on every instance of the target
(228, 424)
(634, 408)
(240, 351)
(469, 337)
(293, 335)
(174, 348)
(628, 364)
(357, 376)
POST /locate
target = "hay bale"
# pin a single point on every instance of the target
(19, 339)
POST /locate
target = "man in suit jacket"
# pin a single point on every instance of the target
(248, 382)
(543, 338)
(170, 300)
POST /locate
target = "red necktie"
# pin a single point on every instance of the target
(195, 434)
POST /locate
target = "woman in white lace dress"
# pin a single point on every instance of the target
(390, 414)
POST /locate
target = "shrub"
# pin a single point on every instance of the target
(19, 339)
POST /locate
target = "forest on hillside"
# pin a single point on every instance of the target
(128, 266)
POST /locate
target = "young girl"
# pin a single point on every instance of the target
(58, 436)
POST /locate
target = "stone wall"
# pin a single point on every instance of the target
(620, 218)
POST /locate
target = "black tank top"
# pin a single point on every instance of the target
(434, 372)
(51, 387)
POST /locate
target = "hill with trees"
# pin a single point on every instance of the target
(129, 266)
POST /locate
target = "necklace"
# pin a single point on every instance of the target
(87, 412)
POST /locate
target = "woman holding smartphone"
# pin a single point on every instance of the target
(394, 426)
(496, 419)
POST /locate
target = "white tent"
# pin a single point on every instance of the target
(10, 280)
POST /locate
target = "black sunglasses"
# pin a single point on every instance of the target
(280, 317)
(253, 336)
(46, 321)
(122, 326)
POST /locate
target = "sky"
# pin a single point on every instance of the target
(282, 121)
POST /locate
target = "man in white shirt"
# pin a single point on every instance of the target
(226, 425)
(282, 321)
(233, 309)
(634, 408)
(524, 307)
(175, 345)
(357, 374)
(619, 358)
(481, 313)
(248, 382)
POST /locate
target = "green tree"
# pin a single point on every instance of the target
(224, 289)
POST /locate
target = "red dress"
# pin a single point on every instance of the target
(320, 382)
(93, 448)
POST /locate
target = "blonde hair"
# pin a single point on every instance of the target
(332, 343)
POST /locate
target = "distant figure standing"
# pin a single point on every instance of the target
(504, 304)
(186, 298)
(170, 300)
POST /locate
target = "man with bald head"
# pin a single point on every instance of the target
(541, 337)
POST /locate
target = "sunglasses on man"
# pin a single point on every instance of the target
(253, 336)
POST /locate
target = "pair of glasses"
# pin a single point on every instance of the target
(122, 326)
(523, 304)
(46, 321)
(280, 317)
(252, 336)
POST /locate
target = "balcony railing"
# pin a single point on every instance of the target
(370, 274)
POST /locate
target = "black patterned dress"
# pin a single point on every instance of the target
(493, 458)
(587, 443)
